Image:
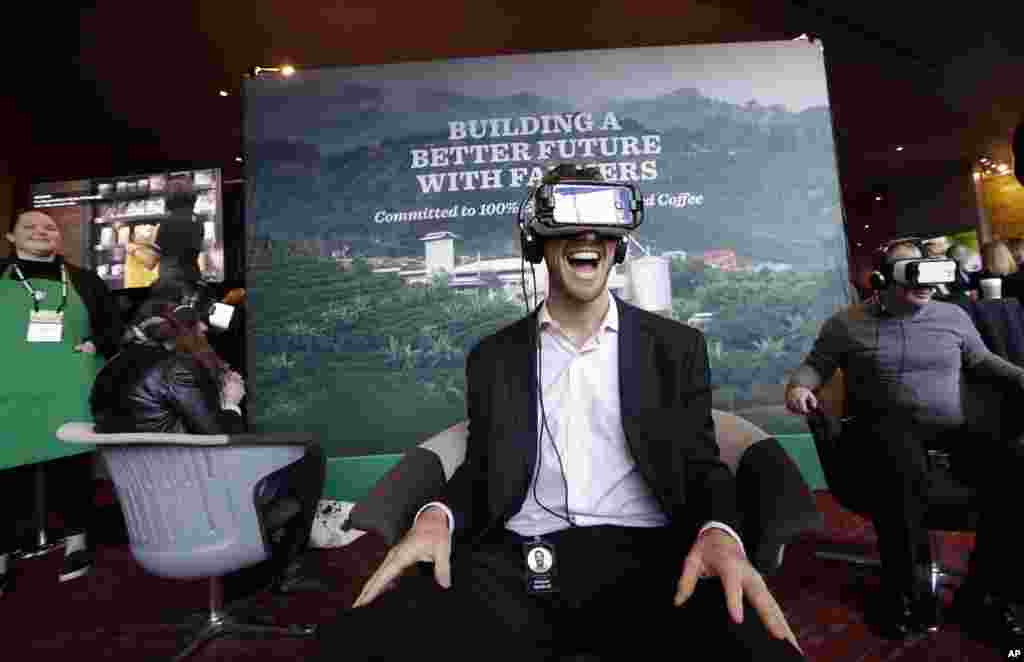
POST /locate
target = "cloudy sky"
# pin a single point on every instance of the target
(788, 73)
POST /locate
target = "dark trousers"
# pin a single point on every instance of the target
(615, 601)
(303, 482)
(70, 494)
(890, 457)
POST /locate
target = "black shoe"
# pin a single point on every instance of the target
(6, 582)
(927, 612)
(76, 564)
(989, 619)
(296, 579)
(899, 616)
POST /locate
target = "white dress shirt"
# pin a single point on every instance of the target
(581, 409)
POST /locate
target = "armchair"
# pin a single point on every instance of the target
(951, 505)
(189, 503)
(775, 501)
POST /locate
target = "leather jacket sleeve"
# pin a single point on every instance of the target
(147, 388)
(193, 392)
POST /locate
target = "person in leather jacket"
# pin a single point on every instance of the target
(167, 378)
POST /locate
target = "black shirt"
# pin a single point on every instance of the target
(104, 316)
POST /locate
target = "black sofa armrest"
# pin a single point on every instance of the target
(775, 502)
(393, 501)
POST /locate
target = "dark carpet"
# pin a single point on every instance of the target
(118, 612)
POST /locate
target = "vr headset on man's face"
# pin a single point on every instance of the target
(923, 272)
(570, 207)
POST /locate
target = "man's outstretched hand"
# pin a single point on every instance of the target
(427, 541)
(717, 554)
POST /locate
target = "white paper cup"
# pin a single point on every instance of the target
(992, 288)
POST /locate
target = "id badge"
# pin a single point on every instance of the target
(539, 555)
(45, 326)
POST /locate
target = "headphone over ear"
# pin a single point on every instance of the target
(533, 247)
(882, 276)
(620, 250)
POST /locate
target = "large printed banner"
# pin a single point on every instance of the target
(383, 241)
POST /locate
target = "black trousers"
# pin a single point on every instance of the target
(616, 586)
(303, 482)
(70, 493)
(890, 455)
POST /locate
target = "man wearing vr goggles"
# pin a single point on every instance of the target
(902, 356)
(592, 498)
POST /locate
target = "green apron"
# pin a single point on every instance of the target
(43, 385)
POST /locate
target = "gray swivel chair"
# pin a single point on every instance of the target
(189, 504)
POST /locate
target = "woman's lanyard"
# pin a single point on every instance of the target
(39, 295)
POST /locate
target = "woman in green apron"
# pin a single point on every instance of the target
(57, 323)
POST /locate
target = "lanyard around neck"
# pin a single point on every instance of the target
(39, 295)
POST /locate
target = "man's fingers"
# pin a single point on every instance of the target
(687, 581)
(399, 558)
(387, 573)
(442, 575)
(769, 611)
(367, 593)
(733, 589)
(442, 567)
(771, 614)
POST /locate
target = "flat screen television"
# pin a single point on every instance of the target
(114, 225)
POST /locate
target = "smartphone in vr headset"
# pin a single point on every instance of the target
(924, 272)
(574, 206)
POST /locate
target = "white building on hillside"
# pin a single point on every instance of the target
(440, 251)
(506, 276)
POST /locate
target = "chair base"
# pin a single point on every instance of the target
(213, 624)
(936, 577)
(43, 543)
(850, 554)
(41, 549)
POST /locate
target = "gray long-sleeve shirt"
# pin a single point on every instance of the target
(903, 364)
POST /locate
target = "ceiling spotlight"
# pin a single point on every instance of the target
(285, 70)
(859, 244)
(238, 159)
(899, 148)
(223, 93)
(878, 198)
(867, 227)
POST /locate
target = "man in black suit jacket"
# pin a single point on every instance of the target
(629, 500)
